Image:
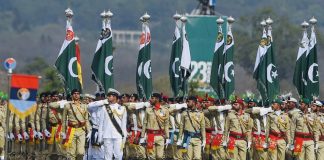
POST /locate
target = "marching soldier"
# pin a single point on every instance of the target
(192, 133)
(237, 132)
(277, 131)
(55, 126)
(3, 111)
(210, 124)
(41, 119)
(75, 126)
(217, 145)
(156, 128)
(319, 149)
(304, 132)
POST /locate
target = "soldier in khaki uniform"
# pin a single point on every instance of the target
(217, 149)
(319, 149)
(76, 126)
(156, 128)
(237, 134)
(3, 109)
(277, 132)
(41, 120)
(192, 133)
(210, 124)
(55, 126)
(304, 132)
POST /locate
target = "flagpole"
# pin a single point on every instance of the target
(7, 116)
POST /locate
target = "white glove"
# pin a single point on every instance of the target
(249, 145)
(265, 145)
(264, 111)
(63, 135)
(181, 106)
(316, 147)
(35, 134)
(147, 104)
(290, 147)
(47, 133)
(11, 136)
(88, 136)
(26, 136)
(224, 144)
(105, 101)
(167, 142)
(40, 135)
(203, 145)
(139, 105)
(62, 103)
(179, 143)
(20, 138)
(142, 141)
(224, 108)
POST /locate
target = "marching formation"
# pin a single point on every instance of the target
(120, 126)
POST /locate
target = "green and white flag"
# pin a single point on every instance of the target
(312, 68)
(102, 63)
(185, 64)
(216, 77)
(67, 64)
(144, 75)
(228, 70)
(300, 73)
(265, 70)
(174, 67)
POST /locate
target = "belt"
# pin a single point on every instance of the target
(321, 138)
(193, 134)
(304, 135)
(77, 125)
(209, 130)
(277, 134)
(239, 136)
(155, 132)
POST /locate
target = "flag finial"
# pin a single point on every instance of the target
(269, 21)
(313, 21)
(220, 20)
(109, 14)
(76, 38)
(230, 20)
(176, 16)
(263, 23)
(305, 25)
(184, 19)
(103, 15)
(69, 13)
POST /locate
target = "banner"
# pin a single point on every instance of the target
(23, 93)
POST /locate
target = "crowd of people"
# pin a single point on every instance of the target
(121, 126)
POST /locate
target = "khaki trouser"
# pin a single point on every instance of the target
(140, 152)
(307, 151)
(177, 151)
(2, 141)
(320, 152)
(77, 146)
(279, 152)
(240, 150)
(194, 149)
(158, 148)
(219, 154)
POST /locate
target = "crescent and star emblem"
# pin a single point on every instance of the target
(70, 66)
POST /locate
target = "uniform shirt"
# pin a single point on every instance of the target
(278, 122)
(41, 116)
(239, 123)
(198, 123)
(320, 123)
(154, 119)
(120, 115)
(55, 113)
(3, 116)
(80, 113)
(303, 123)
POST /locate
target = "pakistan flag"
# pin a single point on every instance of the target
(228, 71)
(102, 63)
(312, 68)
(174, 66)
(66, 62)
(300, 72)
(265, 69)
(143, 75)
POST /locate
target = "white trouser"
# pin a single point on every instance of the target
(113, 146)
(95, 153)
